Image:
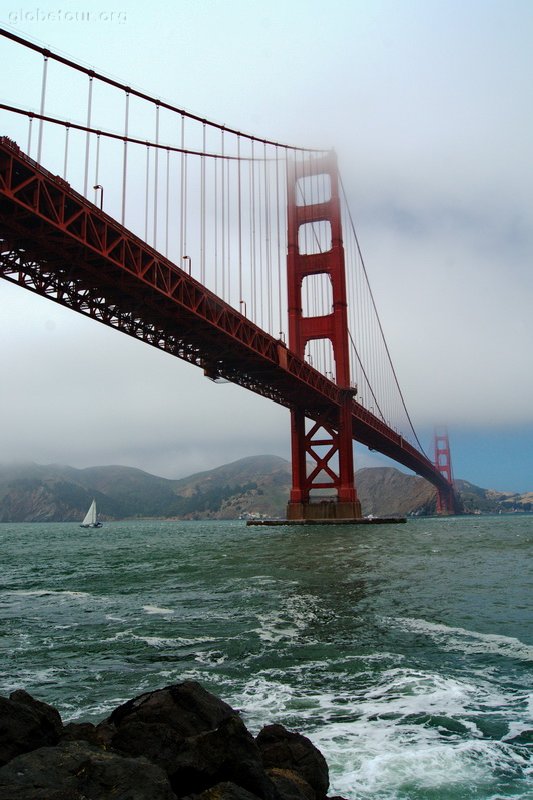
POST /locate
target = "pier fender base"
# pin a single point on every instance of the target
(326, 509)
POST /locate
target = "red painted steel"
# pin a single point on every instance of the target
(446, 502)
(334, 469)
(57, 244)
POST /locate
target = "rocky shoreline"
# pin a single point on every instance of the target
(177, 742)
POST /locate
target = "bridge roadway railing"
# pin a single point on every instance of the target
(58, 244)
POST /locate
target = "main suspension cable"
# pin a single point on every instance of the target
(49, 54)
(378, 318)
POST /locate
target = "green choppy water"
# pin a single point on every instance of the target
(405, 652)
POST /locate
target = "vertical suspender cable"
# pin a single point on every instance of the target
(125, 157)
(239, 212)
(363, 334)
(352, 308)
(216, 224)
(97, 165)
(252, 234)
(375, 362)
(223, 218)
(278, 237)
(182, 189)
(367, 351)
(156, 173)
(377, 365)
(268, 241)
(87, 139)
(146, 193)
(261, 247)
(261, 277)
(228, 219)
(43, 97)
(65, 163)
(202, 207)
(347, 272)
(370, 350)
(185, 209)
(167, 209)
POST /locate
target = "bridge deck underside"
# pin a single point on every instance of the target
(59, 245)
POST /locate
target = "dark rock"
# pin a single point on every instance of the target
(158, 724)
(44, 711)
(227, 754)
(78, 771)
(186, 707)
(25, 724)
(283, 749)
(156, 741)
(290, 785)
(197, 739)
(226, 791)
(180, 741)
(104, 734)
(81, 732)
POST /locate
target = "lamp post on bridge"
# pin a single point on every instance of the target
(96, 187)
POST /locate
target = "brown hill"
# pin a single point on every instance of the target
(386, 491)
(258, 485)
(54, 493)
(255, 486)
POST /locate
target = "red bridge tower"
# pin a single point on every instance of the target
(322, 450)
(446, 500)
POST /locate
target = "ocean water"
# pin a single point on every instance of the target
(404, 652)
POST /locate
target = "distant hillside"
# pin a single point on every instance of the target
(35, 493)
(387, 491)
(249, 487)
(490, 501)
(255, 485)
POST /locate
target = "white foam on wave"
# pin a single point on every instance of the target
(29, 677)
(262, 580)
(392, 766)
(287, 622)
(47, 592)
(211, 657)
(95, 712)
(523, 724)
(263, 700)
(413, 732)
(273, 628)
(157, 641)
(403, 693)
(473, 642)
(157, 610)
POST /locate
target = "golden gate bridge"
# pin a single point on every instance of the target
(235, 253)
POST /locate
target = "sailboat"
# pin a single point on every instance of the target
(89, 521)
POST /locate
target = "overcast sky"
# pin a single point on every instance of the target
(428, 105)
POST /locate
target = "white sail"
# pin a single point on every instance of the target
(90, 516)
